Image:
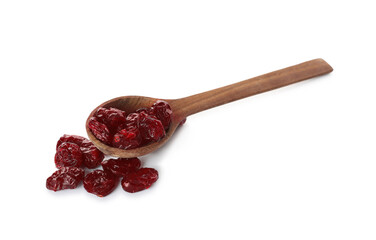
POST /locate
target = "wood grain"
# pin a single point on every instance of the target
(280, 78)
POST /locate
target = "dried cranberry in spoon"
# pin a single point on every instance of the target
(146, 125)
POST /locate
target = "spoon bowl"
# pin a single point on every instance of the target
(184, 107)
(130, 104)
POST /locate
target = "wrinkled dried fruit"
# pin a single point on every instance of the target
(92, 157)
(145, 110)
(111, 117)
(65, 178)
(100, 183)
(100, 130)
(127, 139)
(140, 180)
(68, 155)
(162, 111)
(151, 128)
(112, 127)
(121, 166)
(70, 138)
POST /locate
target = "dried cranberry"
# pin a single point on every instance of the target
(112, 117)
(92, 157)
(68, 155)
(145, 110)
(100, 183)
(127, 139)
(150, 127)
(162, 111)
(145, 125)
(121, 166)
(140, 180)
(65, 178)
(100, 130)
(133, 120)
(70, 138)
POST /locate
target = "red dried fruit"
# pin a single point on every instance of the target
(140, 180)
(112, 117)
(162, 111)
(68, 155)
(143, 126)
(92, 157)
(100, 130)
(127, 139)
(133, 120)
(70, 138)
(121, 166)
(65, 178)
(150, 127)
(100, 183)
(145, 110)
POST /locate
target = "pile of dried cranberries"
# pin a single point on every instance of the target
(74, 153)
(115, 128)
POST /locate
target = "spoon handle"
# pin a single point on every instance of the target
(206, 100)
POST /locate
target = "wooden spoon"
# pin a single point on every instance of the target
(187, 106)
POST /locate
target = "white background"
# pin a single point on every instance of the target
(295, 163)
